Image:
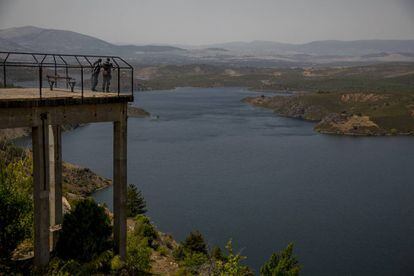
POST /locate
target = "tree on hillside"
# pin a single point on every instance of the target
(192, 254)
(195, 243)
(281, 264)
(231, 264)
(86, 232)
(217, 254)
(136, 204)
(145, 230)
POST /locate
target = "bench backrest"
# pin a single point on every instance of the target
(59, 77)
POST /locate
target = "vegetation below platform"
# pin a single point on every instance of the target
(85, 241)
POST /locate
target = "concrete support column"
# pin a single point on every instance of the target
(55, 161)
(120, 186)
(41, 180)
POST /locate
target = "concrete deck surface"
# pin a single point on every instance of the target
(24, 97)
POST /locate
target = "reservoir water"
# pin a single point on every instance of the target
(230, 170)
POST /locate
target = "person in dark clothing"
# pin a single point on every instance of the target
(95, 73)
(107, 71)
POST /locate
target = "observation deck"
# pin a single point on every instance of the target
(53, 94)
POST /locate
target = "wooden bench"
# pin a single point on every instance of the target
(52, 80)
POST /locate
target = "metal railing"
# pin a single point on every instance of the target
(62, 61)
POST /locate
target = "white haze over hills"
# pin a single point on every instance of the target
(255, 53)
(201, 22)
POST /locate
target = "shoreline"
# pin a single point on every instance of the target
(328, 120)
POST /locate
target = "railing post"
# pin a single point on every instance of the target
(67, 75)
(132, 81)
(4, 75)
(40, 80)
(54, 59)
(119, 81)
(82, 81)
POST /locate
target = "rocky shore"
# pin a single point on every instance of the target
(344, 114)
(136, 112)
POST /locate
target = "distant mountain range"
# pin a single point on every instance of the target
(59, 41)
(255, 53)
(327, 47)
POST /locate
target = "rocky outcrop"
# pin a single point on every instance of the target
(411, 110)
(348, 125)
(66, 205)
(289, 106)
(362, 97)
(13, 133)
(324, 110)
(81, 182)
(136, 112)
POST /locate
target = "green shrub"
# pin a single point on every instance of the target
(217, 254)
(64, 268)
(182, 271)
(117, 264)
(100, 264)
(10, 153)
(281, 264)
(162, 250)
(145, 230)
(136, 204)
(191, 254)
(195, 243)
(139, 244)
(193, 262)
(179, 253)
(231, 265)
(16, 206)
(138, 254)
(85, 232)
(169, 241)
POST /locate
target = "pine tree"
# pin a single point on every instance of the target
(281, 264)
(136, 204)
(86, 232)
(195, 243)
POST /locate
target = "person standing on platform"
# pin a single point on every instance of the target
(107, 74)
(95, 73)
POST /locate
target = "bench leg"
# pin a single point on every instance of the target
(72, 86)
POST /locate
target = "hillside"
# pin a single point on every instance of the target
(241, 54)
(35, 39)
(326, 47)
(353, 113)
(387, 77)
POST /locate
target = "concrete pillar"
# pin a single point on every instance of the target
(55, 161)
(41, 177)
(120, 186)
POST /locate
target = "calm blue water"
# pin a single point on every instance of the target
(234, 171)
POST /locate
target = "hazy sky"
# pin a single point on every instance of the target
(211, 21)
